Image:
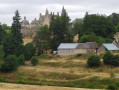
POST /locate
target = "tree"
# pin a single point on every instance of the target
(13, 41)
(34, 61)
(107, 58)
(77, 26)
(21, 60)
(9, 44)
(2, 53)
(2, 34)
(88, 38)
(60, 30)
(111, 59)
(19, 50)
(29, 51)
(6, 27)
(10, 64)
(100, 25)
(42, 40)
(115, 18)
(117, 27)
(93, 61)
(16, 27)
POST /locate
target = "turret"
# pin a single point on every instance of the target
(63, 11)
(46, 12)
(40, 16)
(24, 17)
(51, 13)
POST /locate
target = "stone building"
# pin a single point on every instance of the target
(69, 49)
(29, 29)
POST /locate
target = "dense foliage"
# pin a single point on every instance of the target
(60, 31)
(34, 61)
(29, 51)
(112, 87)
(21, 60)
(10, 64)
(93, 61)
(42, 40)
(2, 34)
(111, 59)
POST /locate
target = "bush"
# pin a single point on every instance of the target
(107, 58)
(10, 64)
(43, 56)
(34, 61)
(29, 51)
(111, 59)
(112, 87)
(115, 61)
(93, 61)
(21, 60)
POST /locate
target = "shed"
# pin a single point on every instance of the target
(66, 49)
(109, 46)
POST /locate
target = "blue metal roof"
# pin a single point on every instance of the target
(110, 46)
(68, 45)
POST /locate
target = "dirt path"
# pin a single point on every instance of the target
(9, 86)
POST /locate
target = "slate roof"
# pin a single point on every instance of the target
(110, 46)
(68, 45)
(88, 45)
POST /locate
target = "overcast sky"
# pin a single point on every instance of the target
(75, 8)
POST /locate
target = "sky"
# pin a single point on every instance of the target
(75, 8)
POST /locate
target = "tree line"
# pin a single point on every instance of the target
(92, 28)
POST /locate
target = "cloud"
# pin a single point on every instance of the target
(75, 8)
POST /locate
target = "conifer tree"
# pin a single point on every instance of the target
(2, 34)
(16, 27)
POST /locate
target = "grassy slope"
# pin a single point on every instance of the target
(67, 72)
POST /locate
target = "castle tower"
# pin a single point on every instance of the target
(46, 14)
(40, 16)
(63, 11)
(24, 17)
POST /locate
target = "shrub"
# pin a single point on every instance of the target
(43, 56)
(114, 61)
(107, 58)
(10, 64)
(112, 87)
(34, 61)
(111, 59)
(93, 61)
(21, 60)
(29, 51)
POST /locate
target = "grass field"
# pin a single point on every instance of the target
(64, 72)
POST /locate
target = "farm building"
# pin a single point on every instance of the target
(87, 48)
(109, 46)
(66, 49)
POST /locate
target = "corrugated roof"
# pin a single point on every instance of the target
(68, 45)
(110, 46)
(87, 45)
